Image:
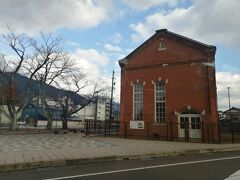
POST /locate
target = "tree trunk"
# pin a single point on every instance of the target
(65, 112)
(13, 125)
(64, 123)
(47, 112)
(49, 119)
(49, 123)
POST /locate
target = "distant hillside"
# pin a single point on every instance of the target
(51, 91)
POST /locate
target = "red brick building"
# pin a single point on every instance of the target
(168, 88)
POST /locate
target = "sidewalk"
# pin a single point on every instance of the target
(43, 150)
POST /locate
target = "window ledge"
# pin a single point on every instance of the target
(162, 49)
(158, 124)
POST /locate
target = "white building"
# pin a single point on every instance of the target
(96, 111)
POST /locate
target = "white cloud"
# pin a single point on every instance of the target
(91, 55)
(116, 38)
(146, 4)
(112, 48)
(224, 80)
(156, 21)
(72, 43)
(32, 16)
(89, 61)
(208, 21)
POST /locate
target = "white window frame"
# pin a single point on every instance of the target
(141, 116)
(159, 101)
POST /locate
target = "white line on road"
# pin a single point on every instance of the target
(234, 176)
(143, 168)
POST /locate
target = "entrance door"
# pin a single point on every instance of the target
(189, 126)
(184, 127)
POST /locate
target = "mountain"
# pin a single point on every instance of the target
(23, 82)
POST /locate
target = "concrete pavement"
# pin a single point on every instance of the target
(43, 150)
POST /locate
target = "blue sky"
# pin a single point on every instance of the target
(97, 33)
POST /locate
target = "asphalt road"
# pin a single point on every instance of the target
(212, 166)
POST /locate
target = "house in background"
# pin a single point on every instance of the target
(34, 111)
(169, 79)
(232, 114)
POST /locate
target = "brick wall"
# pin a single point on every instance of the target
(184, 66)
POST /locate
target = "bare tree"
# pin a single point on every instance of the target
(22, 46)
(60, 71)
(56, 67)
(77, 81)
(40, 59)
(45, 61)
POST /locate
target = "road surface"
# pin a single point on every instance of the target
(212, 166)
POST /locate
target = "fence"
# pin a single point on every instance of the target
(228, 132)
(105, 128)
(223, 132)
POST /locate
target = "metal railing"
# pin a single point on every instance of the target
(227, 132)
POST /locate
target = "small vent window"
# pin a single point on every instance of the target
(162, 44)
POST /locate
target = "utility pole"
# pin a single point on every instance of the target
(96, 109)
(96, 113)
(111, 100)
(229, 103)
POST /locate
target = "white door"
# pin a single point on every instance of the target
(183, 125)
(189, 126)
(195, 127)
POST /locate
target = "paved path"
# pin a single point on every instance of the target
(47, 142)
(40, 150)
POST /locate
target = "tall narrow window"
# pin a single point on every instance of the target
(160, 101)
(138, 102)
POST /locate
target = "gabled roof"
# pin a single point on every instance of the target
(166, 32)
(232, 108)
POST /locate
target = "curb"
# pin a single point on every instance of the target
(69, 162)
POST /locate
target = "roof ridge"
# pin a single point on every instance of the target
(185, 37)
